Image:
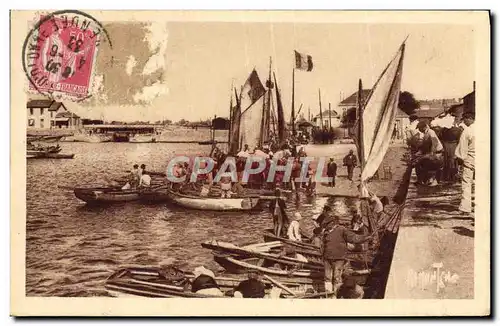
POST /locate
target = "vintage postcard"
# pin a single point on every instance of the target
(259, 163)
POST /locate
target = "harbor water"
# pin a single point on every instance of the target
(71, 248)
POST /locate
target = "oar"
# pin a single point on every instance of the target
(280, 285)
(314, 295)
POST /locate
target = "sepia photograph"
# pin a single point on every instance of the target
(275, 160)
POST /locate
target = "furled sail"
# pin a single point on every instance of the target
(234, 144)
(281, 115)
(378, 117)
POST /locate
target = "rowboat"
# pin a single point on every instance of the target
(143, 138)
(102, 195)
(270, 253)
(50, 155)
(60, 156)
(211, 203)
(156, 282)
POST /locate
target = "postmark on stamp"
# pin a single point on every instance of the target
(60, 52)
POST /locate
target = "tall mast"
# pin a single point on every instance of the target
(359, 116)
(320, 110)
(293, 101)
(280, 113)
(230, 117)
(330, 114)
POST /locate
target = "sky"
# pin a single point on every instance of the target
(184, 70)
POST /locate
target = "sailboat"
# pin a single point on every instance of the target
(258, 117)
(375, 119)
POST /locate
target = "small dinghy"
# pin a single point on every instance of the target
(105, 195)
(171, 282)
(212, 203)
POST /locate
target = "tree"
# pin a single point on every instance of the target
(407, 103)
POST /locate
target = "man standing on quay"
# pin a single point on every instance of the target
(466, 155)
(350, 161)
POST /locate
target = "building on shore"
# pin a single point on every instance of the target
(401, 124)
(50, 114)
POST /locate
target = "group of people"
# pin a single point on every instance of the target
(138, 178)
(333, 239)
(439, 156)
(205, 283)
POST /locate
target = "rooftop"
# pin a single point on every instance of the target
(66, 114)
(50, 104)
(430, 113)
(352, 100)
(326, 114)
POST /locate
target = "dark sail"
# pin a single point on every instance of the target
(281, 114)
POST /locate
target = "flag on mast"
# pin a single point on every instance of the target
(303, 61)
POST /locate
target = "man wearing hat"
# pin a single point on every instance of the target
(466, 155)
(204, 282)
(334, 250)
(252, 287)
(350, 161)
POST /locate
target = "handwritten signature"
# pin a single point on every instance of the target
(426, 278)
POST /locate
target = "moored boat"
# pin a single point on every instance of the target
(50, 155)
(212, 203)
(157, 283)
(142, 138)
(102, 195)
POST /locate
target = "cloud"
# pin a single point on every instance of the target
(129, 67)
(149, 93)
(157, 37)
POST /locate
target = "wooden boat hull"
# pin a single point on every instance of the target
(106, 195)
(149, 282)
(142, 139)
(213, 204)
(51, 155)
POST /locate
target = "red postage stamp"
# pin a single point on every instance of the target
(61, 55)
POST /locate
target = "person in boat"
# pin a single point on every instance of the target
(350, 161)
(350, 289)
(296, 171)
(311, 185)
(253, 287)
(145, 181)
(334, 251)
(142, 170)
(376, 205)
(429, 160)
(327, 210)
(359, 227)
(316, 239)
(294, 228)
(204, 181)
(277, 208)
(204, 282)
(178, 171)
(132, 179)
(331, 172)
(226, 186)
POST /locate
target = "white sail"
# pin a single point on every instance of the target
(379, 116)
(250, 124)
